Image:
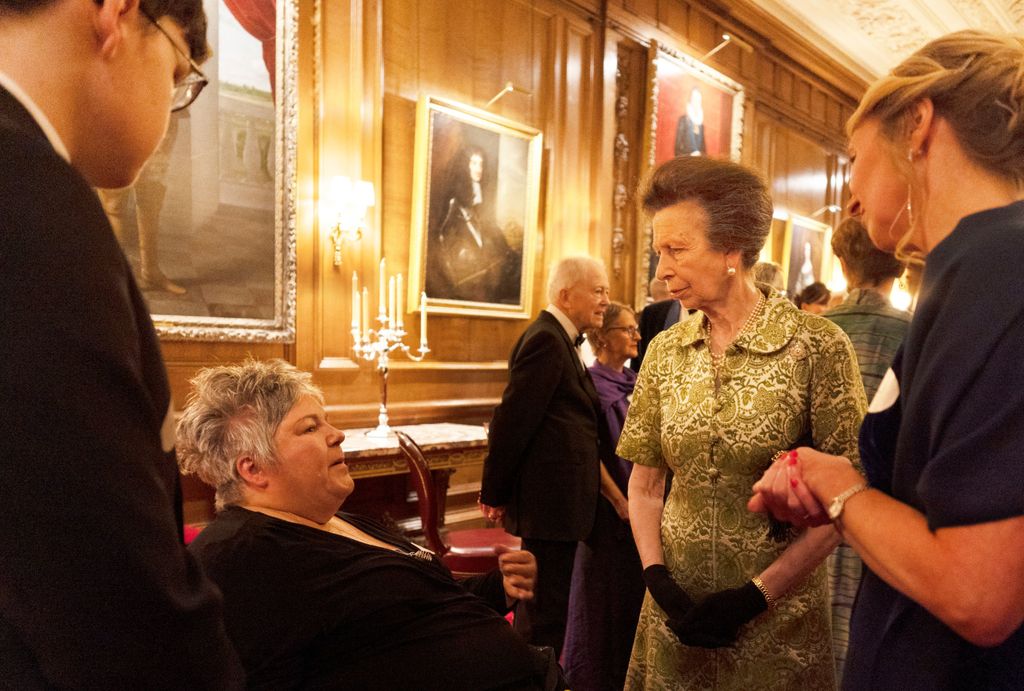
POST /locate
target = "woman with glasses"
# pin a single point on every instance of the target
(737, 601)
(607, 588)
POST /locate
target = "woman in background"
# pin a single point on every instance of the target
(607, 587)
(814, 298)
(937, 156)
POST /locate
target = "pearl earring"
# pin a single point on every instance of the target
(731, 271)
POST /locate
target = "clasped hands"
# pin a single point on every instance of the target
(714, 622)
(784, 491)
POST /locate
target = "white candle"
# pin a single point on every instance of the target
(423, 319)
(401, 304)
(355, 302)
(364, 326)
(391, 302)
(380, 288)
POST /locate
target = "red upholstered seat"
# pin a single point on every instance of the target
(464, 551)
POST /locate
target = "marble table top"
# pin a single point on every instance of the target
(433, 437)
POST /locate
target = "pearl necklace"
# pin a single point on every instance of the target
(718, 358)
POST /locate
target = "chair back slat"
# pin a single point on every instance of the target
(423, 484)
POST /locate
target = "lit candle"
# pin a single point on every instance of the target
(355, 302)
(364, 325)
(401, 304)
(380, 288)
(391, 302)
(423, 320)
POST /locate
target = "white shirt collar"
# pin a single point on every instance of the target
(566, 323)
(37, 114)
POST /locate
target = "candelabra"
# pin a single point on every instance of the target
(377, 345)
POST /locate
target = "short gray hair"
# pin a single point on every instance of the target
(234, 411)
(570, 271)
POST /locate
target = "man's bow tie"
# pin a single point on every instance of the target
(578, 342)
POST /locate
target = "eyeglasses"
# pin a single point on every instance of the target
(630, 330)
(188, 89)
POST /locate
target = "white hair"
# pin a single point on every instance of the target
(570, 271)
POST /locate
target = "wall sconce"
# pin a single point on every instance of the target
(830, 208)
(726, 40)
(350, 200)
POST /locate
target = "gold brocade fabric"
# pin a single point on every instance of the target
(791, 379)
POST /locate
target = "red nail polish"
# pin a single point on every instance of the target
(792, 482)
(792, 459)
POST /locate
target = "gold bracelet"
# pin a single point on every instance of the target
(759, 584)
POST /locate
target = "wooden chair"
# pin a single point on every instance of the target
(464, 551)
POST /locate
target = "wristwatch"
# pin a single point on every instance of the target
(835, 509)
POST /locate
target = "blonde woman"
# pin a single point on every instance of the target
(938, 166)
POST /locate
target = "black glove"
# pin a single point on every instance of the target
(714, 621)
(666, 592)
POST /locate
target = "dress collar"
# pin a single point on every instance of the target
(772, 329)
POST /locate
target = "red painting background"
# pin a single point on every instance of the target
(674, 85)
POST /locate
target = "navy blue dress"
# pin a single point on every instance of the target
(952, 447)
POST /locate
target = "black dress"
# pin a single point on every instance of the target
(949, 446)
(309, 609)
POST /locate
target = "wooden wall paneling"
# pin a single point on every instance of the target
(630, 108)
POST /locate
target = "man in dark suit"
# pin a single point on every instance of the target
(655, 318)
(96, 588)
(541, 474)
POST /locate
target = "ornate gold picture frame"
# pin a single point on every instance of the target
(476, 192)
(691, 110)
(209, 226)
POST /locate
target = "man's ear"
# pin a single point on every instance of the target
(111, 16)
(251, 473)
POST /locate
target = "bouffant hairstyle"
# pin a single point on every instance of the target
(734, 197)
(863, 261)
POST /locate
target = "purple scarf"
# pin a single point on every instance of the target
(613, 388)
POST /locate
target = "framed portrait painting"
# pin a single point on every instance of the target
(806, 253)
(209, 225)
(691, 110)
(474, 219)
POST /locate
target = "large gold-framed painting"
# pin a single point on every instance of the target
(806, 253)
(474, 220)
(209, 225)
(691, 110)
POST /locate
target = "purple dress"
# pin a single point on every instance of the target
(607, 583)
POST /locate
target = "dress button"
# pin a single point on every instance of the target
(714, 474)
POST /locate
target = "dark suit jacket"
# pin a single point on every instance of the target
(96, 588)
(542, 464)
(688, 141)
(652, 323)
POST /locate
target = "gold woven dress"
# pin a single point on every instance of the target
(789, 379)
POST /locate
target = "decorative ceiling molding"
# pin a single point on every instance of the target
(870, 36)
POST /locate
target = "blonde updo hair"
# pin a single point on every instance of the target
(976, 82)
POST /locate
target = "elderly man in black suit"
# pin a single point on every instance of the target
(96, 588)
(541, 474)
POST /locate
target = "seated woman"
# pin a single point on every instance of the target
(315, 598)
